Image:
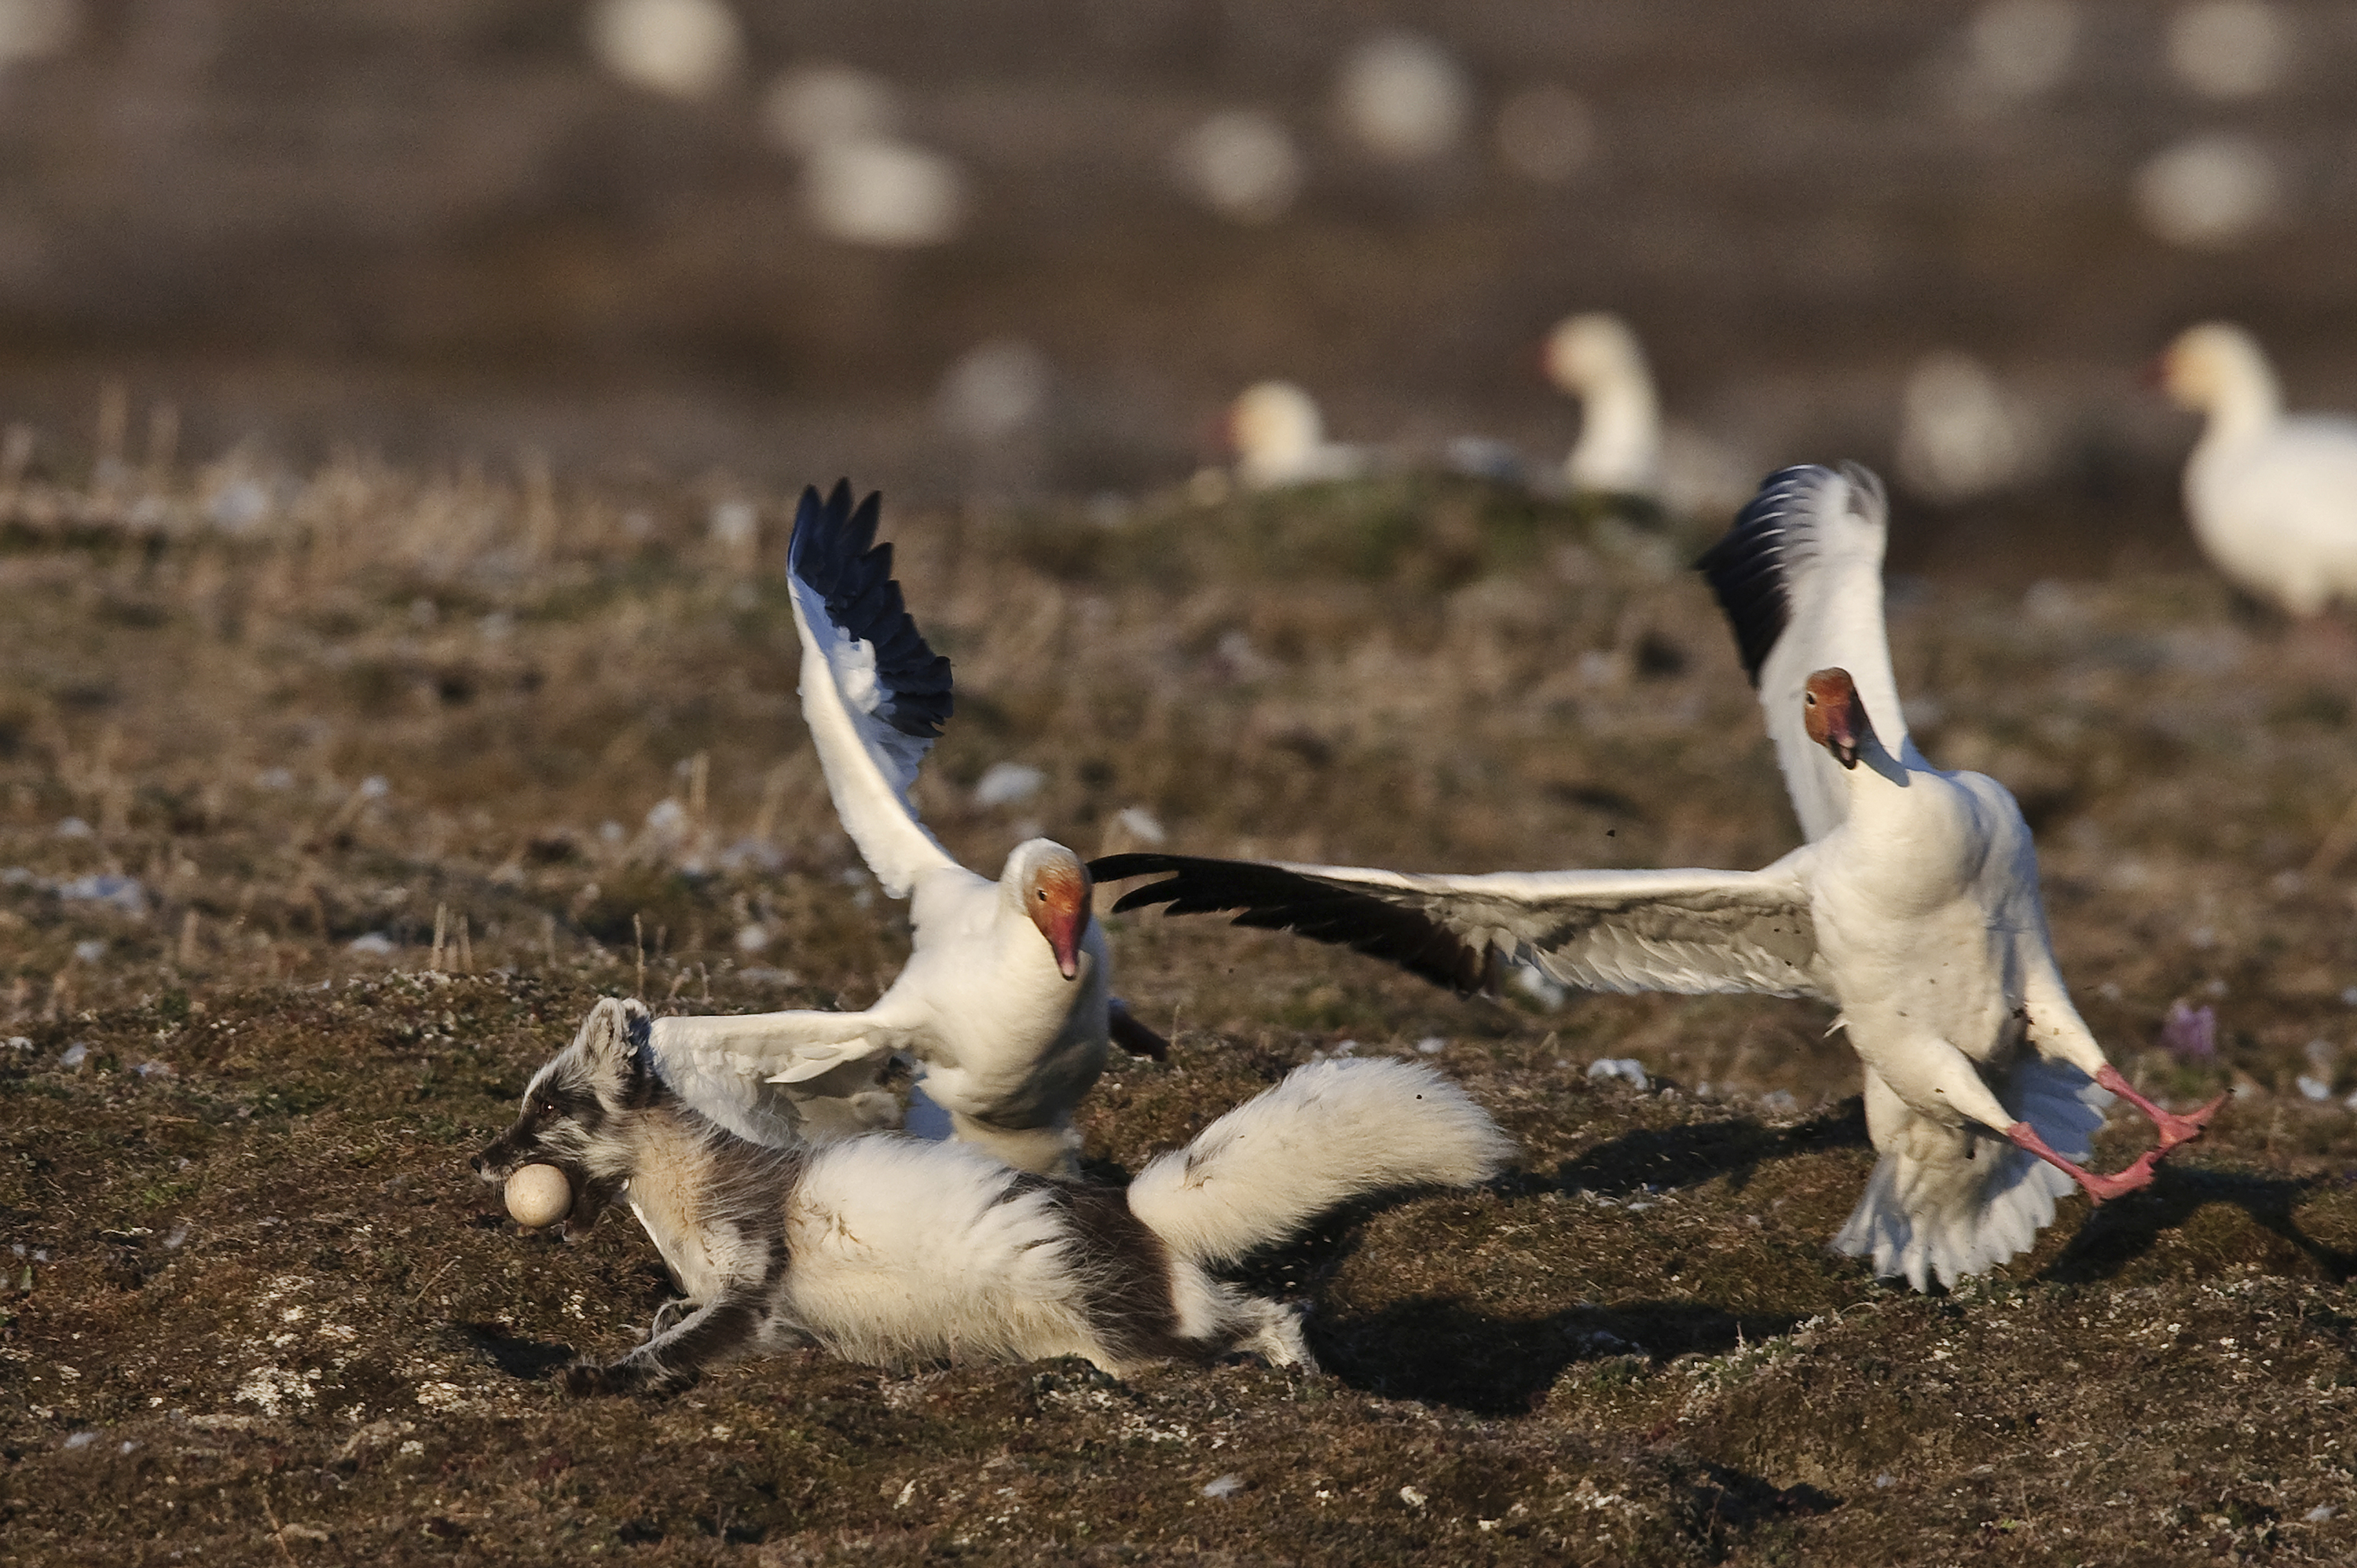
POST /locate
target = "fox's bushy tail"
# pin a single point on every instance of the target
(1330, 1132)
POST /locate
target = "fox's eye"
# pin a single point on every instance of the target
(1041, 895)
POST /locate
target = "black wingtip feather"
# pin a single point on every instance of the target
(1747, 567)
(835, 551)
(1272, 898)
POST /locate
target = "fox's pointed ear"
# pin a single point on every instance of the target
(613, 1039)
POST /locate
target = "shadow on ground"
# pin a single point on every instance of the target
(2196, 1212)
(517, 1356)
(1661, 1158)
(1444, 1352)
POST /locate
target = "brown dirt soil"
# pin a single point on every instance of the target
(256, 1308)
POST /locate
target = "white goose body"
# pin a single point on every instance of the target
(1002, 1004)
(1596, 358)
(2272, 498)
(1279, 436)
(1914, 909)
(980, 977)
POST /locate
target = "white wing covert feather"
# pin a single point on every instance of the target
(874, 694)
(1800, 576)
(724, 1068)
(1690, 931)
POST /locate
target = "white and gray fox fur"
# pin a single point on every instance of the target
(886, 1248)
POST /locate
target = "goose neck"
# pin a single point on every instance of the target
(2245, 404)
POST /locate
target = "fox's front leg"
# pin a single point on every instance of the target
(716, 1332)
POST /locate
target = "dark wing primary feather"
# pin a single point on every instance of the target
(834, 551)
(1800, 576)
(873, 694)
(1604, 931)
(1746, 568)
(1278, 899)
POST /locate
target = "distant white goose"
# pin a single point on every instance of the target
(1003, 1004)
(2273, 498)
(1280, 439)
(1914, 908)
(1596, 358)
(1624, 446)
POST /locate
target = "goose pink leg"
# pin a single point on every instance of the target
(2174, 1129)
(2099, 1188)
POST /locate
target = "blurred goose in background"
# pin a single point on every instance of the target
(1280, 439)
(1003, 1004)
(1962, 433)
(1595, 359)
(1624, 448)
(2272, 498)
(1914, 908)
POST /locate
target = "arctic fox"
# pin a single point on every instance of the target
(883, 1248)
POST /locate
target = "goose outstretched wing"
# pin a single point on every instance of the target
(1800, 576)
(1602, 930)
(874, 694)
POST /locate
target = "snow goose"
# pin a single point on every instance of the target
(2272, 498)
(1624, 448)
(1002, 1004)
(1597, 359)
(1913, 908)
(1280, 439)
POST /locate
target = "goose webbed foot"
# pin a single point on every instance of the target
(2174, 1129)
(2098, 1186)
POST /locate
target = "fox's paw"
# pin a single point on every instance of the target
(583, 1379)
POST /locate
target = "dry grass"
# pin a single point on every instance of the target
(263, 1312)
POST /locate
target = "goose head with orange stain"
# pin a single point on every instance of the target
(1053, 888)
(1835, 716)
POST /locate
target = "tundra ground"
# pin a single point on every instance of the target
(262, 738)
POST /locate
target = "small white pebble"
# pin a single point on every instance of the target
(1431, 1046)
(1628, 1069)
(75, 1054)
(1007, 784)
(2320, 1513)
(1141, 824)
(1226, 1486)
(1883, 1482)
(1412, 1497)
